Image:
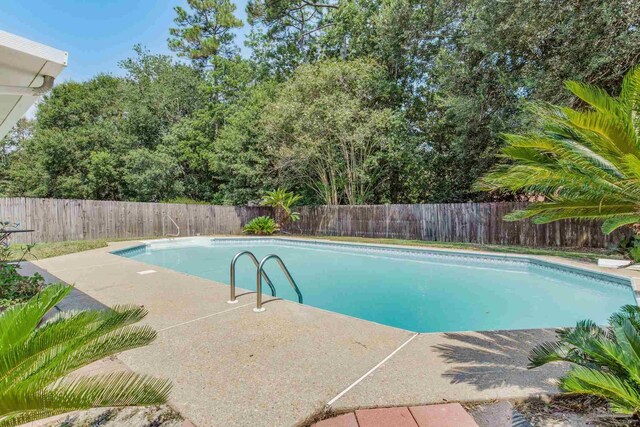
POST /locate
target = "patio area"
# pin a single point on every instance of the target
(233, 367)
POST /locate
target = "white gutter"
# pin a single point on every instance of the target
(47, 84)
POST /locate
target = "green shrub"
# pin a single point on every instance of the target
(629, 247)
(262, 225)
(14, 287)
(606, 360)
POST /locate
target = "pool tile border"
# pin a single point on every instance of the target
(131, 251)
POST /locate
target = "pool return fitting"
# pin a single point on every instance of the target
(260, 273)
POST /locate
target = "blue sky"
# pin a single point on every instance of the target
(97, 33)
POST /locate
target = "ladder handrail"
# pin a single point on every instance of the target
(292, 282)
(174, 223)
(232, 275)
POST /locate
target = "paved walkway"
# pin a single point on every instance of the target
(233, 367)
(446, 415)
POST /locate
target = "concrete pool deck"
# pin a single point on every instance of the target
(233, 367)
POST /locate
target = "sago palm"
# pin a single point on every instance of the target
(607, 360)
(282, 200)
(262, 225)
(36, 358)
(585, 163)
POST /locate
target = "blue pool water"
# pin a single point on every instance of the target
(417, 290)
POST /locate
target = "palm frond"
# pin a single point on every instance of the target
(59, 331)
(631, 166)
(36, 359)
(114, 389)
(627, 312)
(548, 352)
(606, 126)
(21, 418)
(597, 98)
(630, 91)
(82, 351)
(543, 213)
(20, 320)
(612, 224)
(69, 341)
(628, 338)
(606, 360)
(623, 397)
(585, 163)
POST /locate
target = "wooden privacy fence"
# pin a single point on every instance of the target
(450, 222)
(60, 219)
(57, 220)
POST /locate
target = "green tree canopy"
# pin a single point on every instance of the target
(331, 133)
(205, 31)
(240, 158)
(450, 77)
(85, 132)
(494, 57)
(10, 145)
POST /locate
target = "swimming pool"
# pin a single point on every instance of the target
(414, 289)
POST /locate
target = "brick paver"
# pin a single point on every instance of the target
(346, 420)
(385, 417)
(446, 415)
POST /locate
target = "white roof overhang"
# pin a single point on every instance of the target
(24, 63)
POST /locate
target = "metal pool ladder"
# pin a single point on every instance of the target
(177, 233)
(232, 275)
(260, 273)
(259, 308)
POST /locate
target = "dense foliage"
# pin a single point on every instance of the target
(332, 136)
(341, 101)
(605, 361)
(586, 163)
(36, 357)
(15, 287)
(629, 247)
